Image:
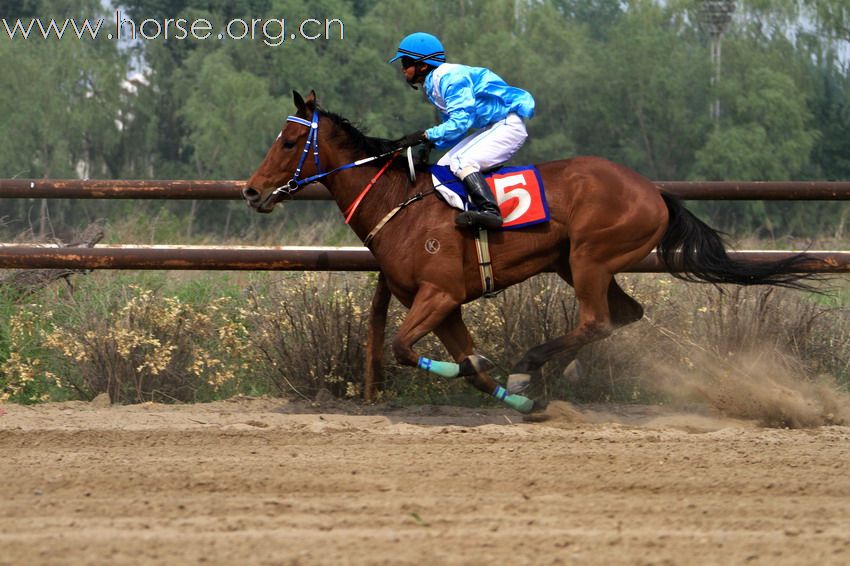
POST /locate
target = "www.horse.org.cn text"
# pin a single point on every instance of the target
(273, 32)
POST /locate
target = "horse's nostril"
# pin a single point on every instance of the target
(250, 194)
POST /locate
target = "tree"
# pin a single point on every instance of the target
(767, 135)
(229, 114)
(60, 100)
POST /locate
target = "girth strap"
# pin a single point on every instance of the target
(485, 266)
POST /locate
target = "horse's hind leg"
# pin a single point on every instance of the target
(624, 310)
(623, 307)
(592, 283)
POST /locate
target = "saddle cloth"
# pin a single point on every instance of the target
(518, 190)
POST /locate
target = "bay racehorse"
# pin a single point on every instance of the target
(604, 218)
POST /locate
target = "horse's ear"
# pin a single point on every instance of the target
(299, 102)
(311, 100)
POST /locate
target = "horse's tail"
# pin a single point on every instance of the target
(693, 251)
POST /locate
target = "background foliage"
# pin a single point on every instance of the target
(628, 80)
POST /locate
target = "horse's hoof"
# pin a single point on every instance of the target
(474, 364)
(573, 373)
(538, 413)
(518, 382)
(519, 403)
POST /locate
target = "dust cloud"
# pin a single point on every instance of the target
(763, 385)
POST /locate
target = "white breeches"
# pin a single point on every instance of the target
(486, 148)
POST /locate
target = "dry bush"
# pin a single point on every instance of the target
(751, 319)
(135, 345)
(310, 330)
(302, 333)
(733, 339)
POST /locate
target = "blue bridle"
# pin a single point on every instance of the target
(296, 183)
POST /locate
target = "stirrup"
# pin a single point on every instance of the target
(476, 218)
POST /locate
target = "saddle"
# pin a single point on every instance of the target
(518, 190)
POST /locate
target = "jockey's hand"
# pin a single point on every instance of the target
(412, 139)
(424, 154)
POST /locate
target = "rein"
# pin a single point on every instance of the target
(389, 216)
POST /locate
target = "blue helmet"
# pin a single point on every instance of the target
(421, 47)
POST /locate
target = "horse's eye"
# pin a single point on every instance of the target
(288, 144)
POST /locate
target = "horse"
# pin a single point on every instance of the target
(604, 219)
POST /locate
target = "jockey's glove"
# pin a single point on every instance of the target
(424, 154)
(415, 138)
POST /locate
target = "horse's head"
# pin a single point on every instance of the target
(274, 178)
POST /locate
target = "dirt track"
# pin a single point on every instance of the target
(254, 481)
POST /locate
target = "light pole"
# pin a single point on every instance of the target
(716, 15)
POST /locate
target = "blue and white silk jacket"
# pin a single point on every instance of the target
(471, 97)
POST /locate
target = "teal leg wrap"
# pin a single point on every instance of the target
(520, 403)
(516, 402)
(444, 369)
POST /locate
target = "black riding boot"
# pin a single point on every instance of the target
(488, 215)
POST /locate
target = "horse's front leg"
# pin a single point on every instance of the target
(434, 309)
(375, 339)
(429, 308)
(455, 336)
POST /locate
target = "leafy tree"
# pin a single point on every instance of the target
(60, 100)
(229, 113)
(597, 15)
(12, 9)
(765, 137)
(644, 102)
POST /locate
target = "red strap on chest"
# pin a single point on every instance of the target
(350, 211)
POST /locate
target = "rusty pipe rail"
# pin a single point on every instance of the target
(230, 190)
(292, 258)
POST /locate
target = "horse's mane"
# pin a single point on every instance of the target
(356, 140)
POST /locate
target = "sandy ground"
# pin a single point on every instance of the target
(263, 481)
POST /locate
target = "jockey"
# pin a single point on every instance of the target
(467, 97)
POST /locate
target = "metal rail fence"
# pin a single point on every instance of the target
(293, 258)
(330, 259)
(230, 190)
